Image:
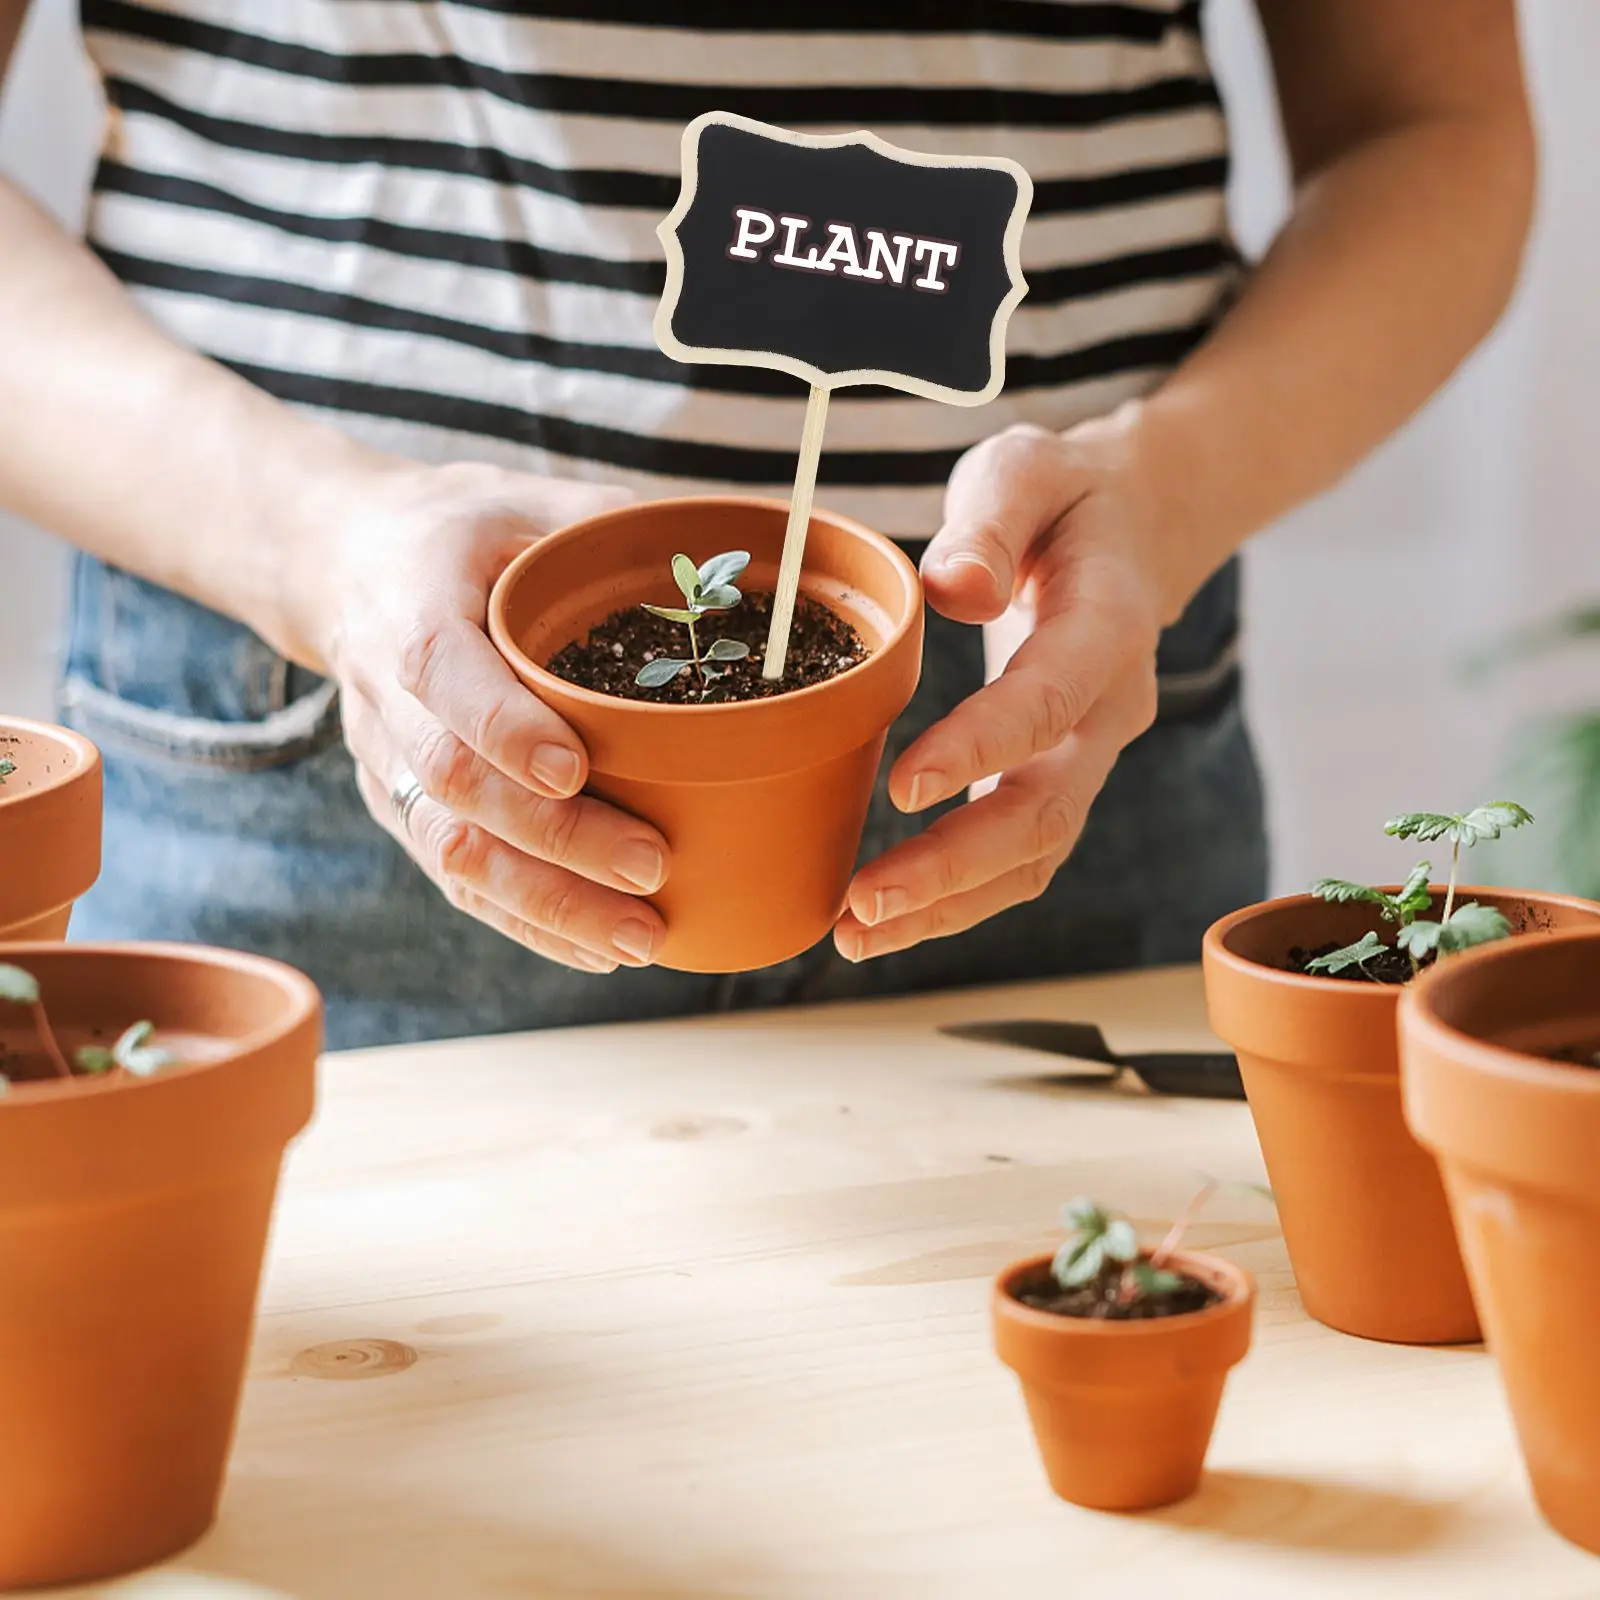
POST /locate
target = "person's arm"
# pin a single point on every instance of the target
(1414, 164)
(357, 564)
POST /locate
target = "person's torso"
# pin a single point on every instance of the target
(435, 222)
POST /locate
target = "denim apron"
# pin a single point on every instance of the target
(232, 818)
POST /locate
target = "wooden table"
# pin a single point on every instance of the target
(698, 1309)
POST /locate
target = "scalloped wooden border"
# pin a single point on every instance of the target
(1012, 246)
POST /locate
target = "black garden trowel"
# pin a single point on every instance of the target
(1194, 1074)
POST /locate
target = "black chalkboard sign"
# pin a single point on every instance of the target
(843, 259)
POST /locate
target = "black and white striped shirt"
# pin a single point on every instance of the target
(434, 223)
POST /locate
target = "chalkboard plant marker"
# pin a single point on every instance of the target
(49, 827)
(136, 1188)
(1306, 989)
(909, 283)
(1122, 1353)
(1498, 1057)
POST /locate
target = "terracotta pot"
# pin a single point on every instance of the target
(1361, 1204)
(49, 827)
(1518, 1139)
(762, 802)
(133, 1220)
(1123, 1411)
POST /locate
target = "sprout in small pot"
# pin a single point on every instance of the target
(1305, 990)
(760, 785)
(138, 1169)
(1122, 1354)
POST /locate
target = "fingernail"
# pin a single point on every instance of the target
(641, 863)
(557, 767)
(850, 945)
(926, 787)
(592, 962)
(968, 558)
(634, 939)
(887, 903)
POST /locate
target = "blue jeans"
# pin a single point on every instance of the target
(232, 818)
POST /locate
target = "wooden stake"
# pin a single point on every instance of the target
(794, 536)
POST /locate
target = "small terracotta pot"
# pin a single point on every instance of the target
(133, 1220)
(761, 802)
(1361, 1204)
(1518, 1139)
(49, 828)
(1123, 1411)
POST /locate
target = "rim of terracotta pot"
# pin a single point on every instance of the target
(302, 1003)
(1469, 1051)
(1238, 1288)
(85, 758)
(706, 716)
(1215, 946)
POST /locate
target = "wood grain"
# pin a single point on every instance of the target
(698, 1309)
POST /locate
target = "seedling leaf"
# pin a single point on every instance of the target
(724, 568)
(18, 986)
(722, 598)
(1482, 822)
(93, 1059)
(672, 613)
(1153, 1282)
(1472, 924)
(1083, 1216)
(653, 674)
(1120, 1242)
(687, 577)
(1339, 891)
(7, 767)
(728, 650)
(1414, 893)
(1079, 1262)
(135, 1053)
(1352, 955)
(1420, 939)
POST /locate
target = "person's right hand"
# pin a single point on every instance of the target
(394, 609)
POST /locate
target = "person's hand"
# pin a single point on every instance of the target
(1062, 531)
(394, 606)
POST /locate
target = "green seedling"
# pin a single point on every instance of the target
(706, 588)
(133, 1052)
(1458, 927)
(1101, 1250)
(7, 767)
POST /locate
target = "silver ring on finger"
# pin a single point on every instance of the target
(403, 799)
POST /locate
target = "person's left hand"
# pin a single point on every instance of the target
(1068, 527)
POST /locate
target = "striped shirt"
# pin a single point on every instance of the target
(433, 224)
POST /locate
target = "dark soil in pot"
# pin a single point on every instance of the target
(821, 646)
(1586, 1053)
(1099, 1302)
(1391, 966)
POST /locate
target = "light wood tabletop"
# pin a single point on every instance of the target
(697, 1309)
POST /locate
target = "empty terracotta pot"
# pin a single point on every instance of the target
(762, 802)
(133, 1220)
(1362, 1206)
(1123, 1411)
(49, 827)
(1518, 1139)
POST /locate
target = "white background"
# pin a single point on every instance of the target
(1483, 513)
